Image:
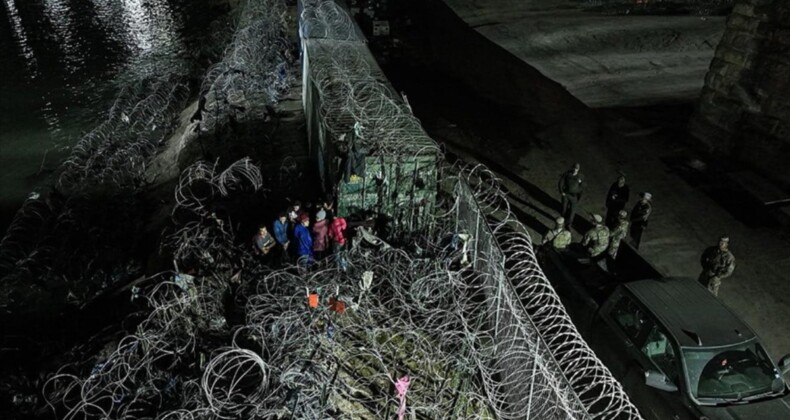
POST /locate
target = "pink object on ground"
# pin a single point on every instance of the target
(402, 386)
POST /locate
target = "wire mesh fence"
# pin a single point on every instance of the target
(530, 312)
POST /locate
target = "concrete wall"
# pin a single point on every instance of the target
(744, 109)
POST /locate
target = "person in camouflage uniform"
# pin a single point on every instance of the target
(616, 236)
(639, 216)
(559, 237)
(717, 263)
(618, 233)
(596, 240)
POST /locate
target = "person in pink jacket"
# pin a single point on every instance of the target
(336, 234)
(320, 235)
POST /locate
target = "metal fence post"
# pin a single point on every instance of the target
(532, 379)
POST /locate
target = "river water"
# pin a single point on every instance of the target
(63, 61)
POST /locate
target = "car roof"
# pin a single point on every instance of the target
(690, 312)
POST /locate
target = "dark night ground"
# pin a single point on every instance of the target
(455, 116)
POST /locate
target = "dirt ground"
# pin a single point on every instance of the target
(605, 61)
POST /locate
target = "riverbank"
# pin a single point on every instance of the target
(112, 238)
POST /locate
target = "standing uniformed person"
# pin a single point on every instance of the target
(717, 263)
(639, 215)
(616, 236)
(618, 233)
(559, 237)
(616, 200)
(596, 240)
(571, 188)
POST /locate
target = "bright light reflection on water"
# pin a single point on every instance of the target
(64, 61)
(20, 37)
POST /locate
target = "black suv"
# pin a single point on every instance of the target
(679, 352)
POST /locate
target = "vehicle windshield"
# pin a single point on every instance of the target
(733, 373)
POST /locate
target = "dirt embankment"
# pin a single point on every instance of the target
(603, 60)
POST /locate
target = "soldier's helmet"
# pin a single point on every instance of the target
(560, 221)
(597, 218)
(622, 214)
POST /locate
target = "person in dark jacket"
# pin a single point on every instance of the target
(304, 242)
(280, 230)
(320, 235)
(616, 200)
(639, 215)
(571, 186)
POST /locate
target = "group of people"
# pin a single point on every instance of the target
(571, 187)
(603, 240)
(310, 234)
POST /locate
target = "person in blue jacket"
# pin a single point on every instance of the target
(281, 236)
(304, 242)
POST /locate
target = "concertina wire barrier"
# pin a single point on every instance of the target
(419, 334)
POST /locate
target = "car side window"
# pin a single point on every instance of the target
(659, 350)
(630, 318)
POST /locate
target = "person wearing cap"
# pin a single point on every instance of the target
(639, 216)
(616, 200)
(559, 237)
(717, 263)
(304, 241)
(596, 240)
(616, 236)
(571, 186)
(320, 235)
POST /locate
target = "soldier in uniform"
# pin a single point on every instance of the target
(717, 263)
(618, 233)
(616, 200)
(616, 236)
(560, 237)
(596, 240)
(639, 215)
(571, 187)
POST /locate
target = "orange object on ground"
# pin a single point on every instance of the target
(337, 305)
(312, 300)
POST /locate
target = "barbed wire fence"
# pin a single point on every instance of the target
(255, 69)
(46, 249)
(113, 156)
(457, 330)
(55, 240)
(463, 326)
(531, 317)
